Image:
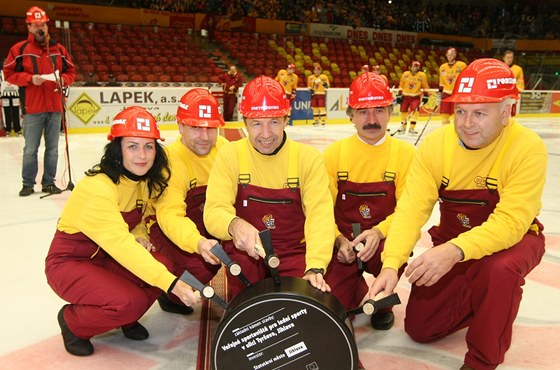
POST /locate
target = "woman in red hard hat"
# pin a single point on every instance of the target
(99, 261)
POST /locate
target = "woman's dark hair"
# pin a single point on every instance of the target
(111, 164)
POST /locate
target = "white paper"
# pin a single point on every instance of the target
(52, 77)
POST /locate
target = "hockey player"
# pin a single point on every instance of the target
(448, 73)
(413, 88)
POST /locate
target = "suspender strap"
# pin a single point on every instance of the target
(492, 178)
(244, 177)
(293, 179)
(449, 146)
(343, 161)
(190, 174)
(391, 172)
(140, 203)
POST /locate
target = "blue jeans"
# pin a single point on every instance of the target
(34, 125)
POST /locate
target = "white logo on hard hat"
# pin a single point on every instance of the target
(143, 124)
(494, 82)
(37, 15)
(204, 111)
(466, 84)
(265, 107)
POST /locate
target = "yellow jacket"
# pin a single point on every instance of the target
(271, 171)
(171, 208)
(94, 209)
(521, 180)
(367, 163)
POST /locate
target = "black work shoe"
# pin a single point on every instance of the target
(169, 306)
(26, 191)
(73, 344)
(137, 332)
(51, 189)
(383, 320)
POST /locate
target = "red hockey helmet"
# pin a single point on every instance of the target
(36, 15)
(484, 81)
(134, 122)
(291, 66)
(199, 108)
(264, 97)
(369, 90)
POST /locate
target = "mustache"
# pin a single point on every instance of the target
(372, 126)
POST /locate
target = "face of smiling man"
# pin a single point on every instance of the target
(266, 134)
(478, 125)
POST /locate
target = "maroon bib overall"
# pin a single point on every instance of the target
(281, 212)
(182, 260)
(484, 294)
(367, 204)
(103, 294)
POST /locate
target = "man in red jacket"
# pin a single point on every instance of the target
(41, 67)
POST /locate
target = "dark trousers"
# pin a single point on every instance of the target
(11, 113)
(229, 105)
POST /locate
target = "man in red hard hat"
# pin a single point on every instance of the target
(367, 173)
(267, 181)
(487, 172)
(41, 67)
(175, 221)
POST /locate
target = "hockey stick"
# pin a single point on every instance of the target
(63, 122)
(426, 125)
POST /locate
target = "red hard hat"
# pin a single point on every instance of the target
(36, 15)
(484, 81)
(134, 122)
(199, 108)
(369, 90)
(264, 97)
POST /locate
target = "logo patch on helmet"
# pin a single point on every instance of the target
(142, 124)
(466, 84)
(269, 221)
(204, 111)
(264, 107)
(494, 82)
(365, 211)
